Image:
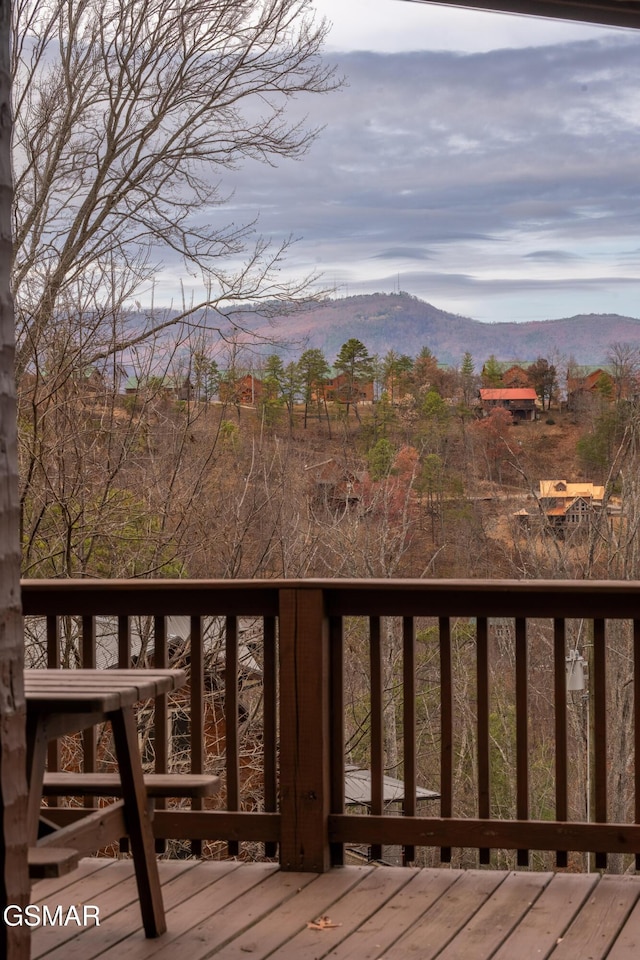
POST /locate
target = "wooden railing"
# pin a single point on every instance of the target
(306, 716)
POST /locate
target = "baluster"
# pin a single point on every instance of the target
(482, 683)
(377, 729)
(231, 723)
(196, 713)
(560, 702)
(88, 655)
(161, 712)
(336, 720)
(409, 725)
(599, 686)
(124, 642)
(522, 731)
(446, 728)
(269, 715)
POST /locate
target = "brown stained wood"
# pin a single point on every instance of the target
(119, 915)
(348, 597)
(560, 722)
(492, 834)
(232, 755)
(627, 945)
(139, 830)
(497, 916)
(304, 731)
(231, 910)
(549, 916)
(270, 722)
(448, 915)
(110, 785)
(277, 930)
(395, 917)
(53, 663)
(522, 730)
(109, 901)
(42, 889)
(446, 728)
(347, 913)
(605, 911)
(46, 862)
(376, 684)
(196, 713)
(203, 824)
(217, 825)
(482, 696)
(79, 889)
(205, 925)
(88, 829)
(599, 700)
(136, 597)
(161, 704)
(180, 882)
(89, 736)
(124, 643)
(336, 728)
(409, 725)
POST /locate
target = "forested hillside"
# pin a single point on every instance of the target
(400, 321)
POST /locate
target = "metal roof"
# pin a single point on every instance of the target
(508, 393)
(357, 789)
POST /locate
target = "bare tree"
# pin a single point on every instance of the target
(127, 115)
(624, 363)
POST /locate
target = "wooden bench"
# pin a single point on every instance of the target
(158, 785)
(47, 862)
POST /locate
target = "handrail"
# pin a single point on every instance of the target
(296, 799)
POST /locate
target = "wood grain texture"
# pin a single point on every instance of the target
(228, 910)
(304, 731)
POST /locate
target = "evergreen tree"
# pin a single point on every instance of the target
(395, 370)
(467, 377)
(313, 371)
(491, 373)
(355, 362)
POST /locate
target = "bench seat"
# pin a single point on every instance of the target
(48, 862)
(108, 785)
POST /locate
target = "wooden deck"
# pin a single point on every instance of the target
(234, 911)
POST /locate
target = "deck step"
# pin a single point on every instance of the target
(50, 862)
(108, 785)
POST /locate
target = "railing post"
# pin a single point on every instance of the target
(304, 731)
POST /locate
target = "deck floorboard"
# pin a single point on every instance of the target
(231, 910)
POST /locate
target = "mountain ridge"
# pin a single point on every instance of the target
(406, 324)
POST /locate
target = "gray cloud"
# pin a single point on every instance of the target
(521, 160)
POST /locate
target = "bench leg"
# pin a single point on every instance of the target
(139, 828)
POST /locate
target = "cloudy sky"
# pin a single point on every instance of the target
(489, 164)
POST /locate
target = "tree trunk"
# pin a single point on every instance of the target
(14, 880)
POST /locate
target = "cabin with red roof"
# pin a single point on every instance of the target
(520, 402)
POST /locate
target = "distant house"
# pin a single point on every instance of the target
(170, 387)
(334, 486)
(570, 505)
(516, 377)
(339, 388)
(584, 388)
(520, 402)
(246, 390)
(513, 373)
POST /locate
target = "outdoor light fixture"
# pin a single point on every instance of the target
(576, 665)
